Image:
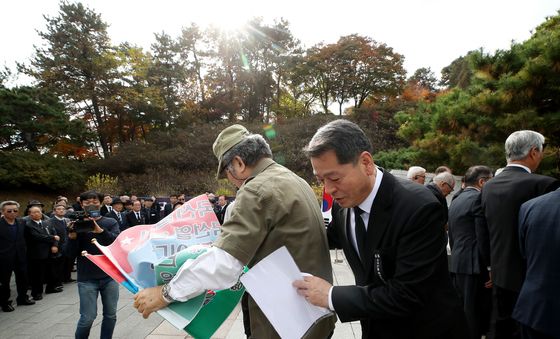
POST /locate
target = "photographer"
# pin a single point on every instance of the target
(92, 280)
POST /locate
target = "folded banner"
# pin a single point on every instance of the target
(148, 255)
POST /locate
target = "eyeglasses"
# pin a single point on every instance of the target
(448, 185)
(543, 146)
(181, 199)
(12, 211)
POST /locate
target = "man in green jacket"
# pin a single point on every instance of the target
(273, 208)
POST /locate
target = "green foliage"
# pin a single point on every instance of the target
(510, 90)
(103, 183)
(39, 171)
(32, 119)
(396, 159)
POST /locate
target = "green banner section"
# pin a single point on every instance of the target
(208, 311)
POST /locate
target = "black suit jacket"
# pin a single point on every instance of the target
(133, 221)
(151, 215)
(221, 212)
(123, 223)
(12, 252)
(501, 198)
(403, 287)
(538, 305)
(39, 239)
(104, 210)
(468, 234)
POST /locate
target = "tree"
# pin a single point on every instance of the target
(78, 64)
(458, 73)
(34, 120)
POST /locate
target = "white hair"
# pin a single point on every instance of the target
(445, 177)
(519, 144)
(414, 171)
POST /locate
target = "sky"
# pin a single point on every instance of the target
(429, 33)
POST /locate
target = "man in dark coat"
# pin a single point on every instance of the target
(221, 208)
(136, 216)
(501, 199)
(538, 306)
(117, 214)
(392, 235)
(42, 241)
(12, 256)
(470, 255)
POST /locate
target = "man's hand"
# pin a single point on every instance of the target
(56, 238)
(314, 289)
(489, 283)
(149, 300)
(54, 250)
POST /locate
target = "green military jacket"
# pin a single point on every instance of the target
(274, 208)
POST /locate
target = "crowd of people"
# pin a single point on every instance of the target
(33, 243)
(502, 227)
(503, 230)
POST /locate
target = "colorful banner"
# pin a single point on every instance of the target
(149, 255)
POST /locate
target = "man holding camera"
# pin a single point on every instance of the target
(91, 279)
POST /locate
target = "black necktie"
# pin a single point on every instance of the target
(360, 231)
(137, 216)
(119, 216)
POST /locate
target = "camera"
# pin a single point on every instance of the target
(80, 224)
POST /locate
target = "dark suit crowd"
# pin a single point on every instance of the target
(33, 246)
(504, 234)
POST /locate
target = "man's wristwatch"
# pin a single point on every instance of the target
(165, 294)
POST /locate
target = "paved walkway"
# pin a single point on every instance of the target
(57, 314)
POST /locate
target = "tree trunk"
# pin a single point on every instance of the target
(100, 126)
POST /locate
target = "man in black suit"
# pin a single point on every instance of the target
(442, 185)
(392, 234)
(169, 206)
(151, 211)
(41, 241)
(470, 255)
(136, 216)
(116, 213)
(221, 208)
(106, 204)
(501, 199)
(12, 256)
(538, 306)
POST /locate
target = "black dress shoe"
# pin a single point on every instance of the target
(37, 297)
(54, 290)
(7, 307)
(25, 302)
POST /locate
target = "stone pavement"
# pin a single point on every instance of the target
(57, 314)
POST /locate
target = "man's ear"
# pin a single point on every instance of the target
(366, 159)
(238, 162)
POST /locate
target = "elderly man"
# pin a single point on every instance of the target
(501, 200)
(416, 174)
(273, 208)
(392, 235)
(470, 257)
(441, 187)
(12, 256)
(42, 241)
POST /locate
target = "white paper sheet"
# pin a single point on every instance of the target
(270, 284)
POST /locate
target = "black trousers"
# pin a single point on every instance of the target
(7, 266)
(54, 272)
(37, 271)
(477, 301)
(502, 324)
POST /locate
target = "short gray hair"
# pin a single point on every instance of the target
(445, 177)
(414, 171)
(519, 144)
(344, 137)
(8, 203)
(250, 150)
